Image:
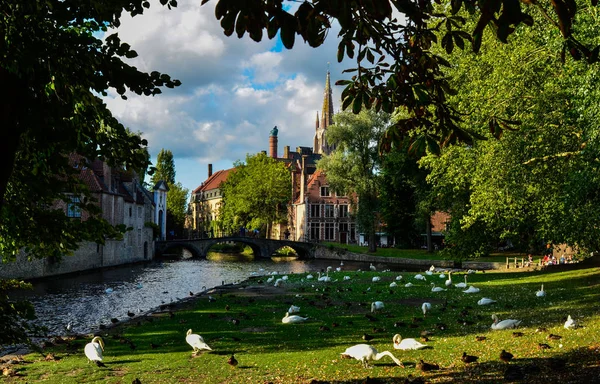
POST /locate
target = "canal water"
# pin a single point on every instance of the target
(90, 299)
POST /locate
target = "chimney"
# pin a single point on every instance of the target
(273, 143)
(286, 152)
(209, 170)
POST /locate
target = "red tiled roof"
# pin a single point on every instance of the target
(214, 181)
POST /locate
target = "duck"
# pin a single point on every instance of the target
(486, 301)
(426, 307)
(570, 323)
(436, 289)
(376, 305)
(541, 292)
(294, 309)
(365, 353)
(232, 361)
(420, 277)
(196, 341)
(449, 281)
(93, 351)
(293, 319)
(408, 285)
(504, 324)
(468, 358)
(462, 285)
(423, 366)
(407, 344)
(506, 356)
(471, 289)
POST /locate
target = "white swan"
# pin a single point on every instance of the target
(471, 289)
(93, 351)
(293, 319)
(504, 324)
(365, 353)
(428, 273)
(486, 301)
(346, 277)
(376, 279)
(196, 341)
(436, 289)
(278, 283)
(570, 323)
(270, 279)
(325, 279)
(541, 292)
(294, 309)
(372, 267)
(420, 277)
(376, 305)
(432, 268)
(426, 307)
(442, 276)
(398, 278)
(462, 285)
(309, 277)
(449, 281)
(284, 278)
(407, 344)
(408, 285)
(393, 284)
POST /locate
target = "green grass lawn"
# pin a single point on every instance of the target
(271, 352)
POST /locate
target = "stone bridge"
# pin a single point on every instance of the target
(261, 247)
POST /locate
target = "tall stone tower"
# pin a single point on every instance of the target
(320, 141)
(273, 143)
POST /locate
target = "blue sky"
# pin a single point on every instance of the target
(233, 90)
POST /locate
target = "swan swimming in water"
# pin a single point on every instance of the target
(196, 341)
(376, 305)
(293, 319)
(407, 344)
(504, 324)
(93, 351)
(365, 353)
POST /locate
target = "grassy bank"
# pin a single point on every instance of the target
(271, 352)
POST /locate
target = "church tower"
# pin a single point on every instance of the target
(320, 141)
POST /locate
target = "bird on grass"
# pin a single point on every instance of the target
(554, 337)
(517, 334)
(462, 285)
(425, 367)
(504, 324)
(506, 356)
(196, 342)
(426, 307)
(468, 358)
(294, 309)
(436, 289)
(480, 338)
(232, 361)
(570, 323)
(365, 353)
(486, 301)
(136, 381)
(543, 346)
(94, 349)
(471, 289)
(367, 337)
(376, 305)
(406, 344)
(293, 319)
(541, 292)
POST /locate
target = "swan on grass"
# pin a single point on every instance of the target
(408, 285)
(346, 277)
(504, 324)
(486, 301)
(196, 341)
(309, 277)
(93, 351)
(462, 285)
(541, 292)
(399, 277)
(375, 279)
(293, 319)
(407, 344)
(449, 281)
(436, 289)
(393, 284)
(428, 273)
(376, 305)
(294, 309)
(426, 307)
(471, 289)
(442, 276)
(325, 279)
(420, 277)
(365, 353)
(278, 283)
(570, 323)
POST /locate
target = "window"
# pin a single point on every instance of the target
(129, 211)
(343, 227)
(329, 231)
(352, 232)
(314, 231)
(73, 209)
(328, 210)
(139, 236)
(343, 211)
(139, 212)
(315, 210)
(324, 191)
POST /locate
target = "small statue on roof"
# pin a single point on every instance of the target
(274, 131)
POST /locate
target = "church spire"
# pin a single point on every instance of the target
(317, 124)
(327, 111)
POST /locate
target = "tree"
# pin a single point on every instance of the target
(255, 194)
(53, 68)
(353, 166)
(538, 183)
(165, 168)
(395, 67)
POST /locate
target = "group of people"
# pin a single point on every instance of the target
(552, 260)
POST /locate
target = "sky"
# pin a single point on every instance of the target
(233, 92)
